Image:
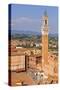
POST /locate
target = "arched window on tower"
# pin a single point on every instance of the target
(45, 22)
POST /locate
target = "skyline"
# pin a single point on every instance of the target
(29, 17)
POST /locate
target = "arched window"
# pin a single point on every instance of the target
(45, 22)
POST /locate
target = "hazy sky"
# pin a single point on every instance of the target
(29, 17)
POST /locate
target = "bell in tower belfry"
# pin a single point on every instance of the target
(45, 39)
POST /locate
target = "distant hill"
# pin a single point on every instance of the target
(23, 33)
(53, 35)
(13, 32)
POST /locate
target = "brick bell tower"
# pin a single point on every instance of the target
(45, 39)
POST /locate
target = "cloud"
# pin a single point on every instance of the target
(25, 23)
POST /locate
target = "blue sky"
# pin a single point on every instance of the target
(29, 17)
